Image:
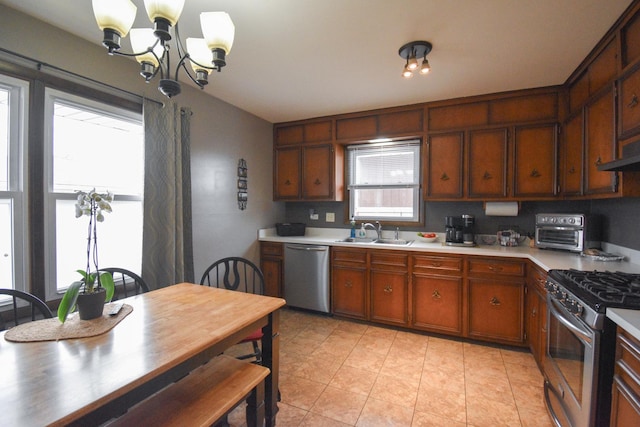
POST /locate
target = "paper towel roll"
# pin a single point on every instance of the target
(501, 208)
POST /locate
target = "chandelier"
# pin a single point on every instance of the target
(151, 46)
(411, 52)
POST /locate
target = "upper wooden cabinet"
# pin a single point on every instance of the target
(596, 75)
(571, 161)
(536, 154)
(600, 143)
(316, 131)
(309, 172)
(629, 104)
(444, 165)
(396, 123)
(487, 163)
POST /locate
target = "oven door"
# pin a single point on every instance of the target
(570, 365)
(555, 237)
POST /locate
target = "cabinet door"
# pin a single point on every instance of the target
(629, 105)
(444, 165)
(437, 303)
(348, 291)
(272, 271)
(599, 143)
(287, 174)
(536, 151)
(318, 172)
(495, 309)
(389, 297)
(487, 163)
(533, 322)
(625, 405)
(572, 148)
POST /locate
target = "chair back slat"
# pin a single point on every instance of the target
(236, 274)
(127, 282)
(38, 309)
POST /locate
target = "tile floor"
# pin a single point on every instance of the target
(335, 372)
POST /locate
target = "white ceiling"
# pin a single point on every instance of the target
(296, 59)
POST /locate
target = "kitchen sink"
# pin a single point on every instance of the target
(400, 242)
(357, 240)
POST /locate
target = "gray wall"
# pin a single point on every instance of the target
(221, 134)
(620, 217)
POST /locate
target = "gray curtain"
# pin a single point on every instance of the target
(167, 249)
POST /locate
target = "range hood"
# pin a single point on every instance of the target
(630, 160)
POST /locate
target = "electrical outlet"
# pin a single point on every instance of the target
(313, 214)
(330, 217)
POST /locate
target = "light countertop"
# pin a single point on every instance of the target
(545, 259)
(629, 320)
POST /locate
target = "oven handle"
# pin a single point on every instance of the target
(547, 398)
(585, 336)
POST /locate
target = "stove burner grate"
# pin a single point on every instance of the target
(608, 287)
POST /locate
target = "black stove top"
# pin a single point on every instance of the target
(601, 289)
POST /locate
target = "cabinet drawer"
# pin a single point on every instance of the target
(628, 360)
(349, 256)
(388, 260)
(537, 278)
(499, 267)
(437, 264)
(271, 249)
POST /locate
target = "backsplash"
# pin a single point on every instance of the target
(619, 216)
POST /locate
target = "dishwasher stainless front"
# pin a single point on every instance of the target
(306, 276)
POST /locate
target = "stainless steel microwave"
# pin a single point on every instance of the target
(567, 232)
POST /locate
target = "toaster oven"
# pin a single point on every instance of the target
(568, 232)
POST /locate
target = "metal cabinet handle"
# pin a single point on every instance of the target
(486, 175)
(348, 284)
(572, 170)
(388, 289)
(534, 312)
(287, 182)
(317, 181)
(444, 177)
(535, 173)
(634, 101)
(494, 301)
(495, 268)
(598, 161)
(436, 294)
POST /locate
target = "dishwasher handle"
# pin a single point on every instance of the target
(308, 248)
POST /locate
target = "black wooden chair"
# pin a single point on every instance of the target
(238, 274)
(127, 282)
(19, 299)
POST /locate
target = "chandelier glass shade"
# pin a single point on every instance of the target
(151, 48)
(411, 52)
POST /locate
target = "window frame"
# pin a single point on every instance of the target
(16, 193)
(50, 197)
(417, 217)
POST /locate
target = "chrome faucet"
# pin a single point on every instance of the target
(377, 228)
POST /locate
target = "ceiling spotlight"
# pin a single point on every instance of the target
(410, 52)
(425, 68)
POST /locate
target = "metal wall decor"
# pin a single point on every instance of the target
(242, 184)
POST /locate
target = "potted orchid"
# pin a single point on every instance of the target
(95, 288)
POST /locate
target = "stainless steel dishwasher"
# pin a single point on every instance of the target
(306, 276)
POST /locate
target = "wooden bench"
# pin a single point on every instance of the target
(204, 397)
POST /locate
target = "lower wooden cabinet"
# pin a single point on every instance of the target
(349, 282)
(496, 300)
(389, 287)
(625, 394)
(272, 266)
(535, 314)
(437, 294)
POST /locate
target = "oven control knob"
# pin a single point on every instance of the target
(563, 296)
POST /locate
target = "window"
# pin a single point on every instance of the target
(91, 145)
(384, 181)
(13, 125)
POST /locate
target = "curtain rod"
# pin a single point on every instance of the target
(23, 60)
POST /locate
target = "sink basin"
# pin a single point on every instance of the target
(356, 240)
(401, 242)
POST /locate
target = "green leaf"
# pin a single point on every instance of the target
(68, 301)
(106, 281)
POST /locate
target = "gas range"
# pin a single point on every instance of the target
(587, 294)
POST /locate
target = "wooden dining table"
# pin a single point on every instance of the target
(170, 332)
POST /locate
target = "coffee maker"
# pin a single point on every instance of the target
(459, 230)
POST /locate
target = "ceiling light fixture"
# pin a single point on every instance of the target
(410, 52)
(151, 46)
